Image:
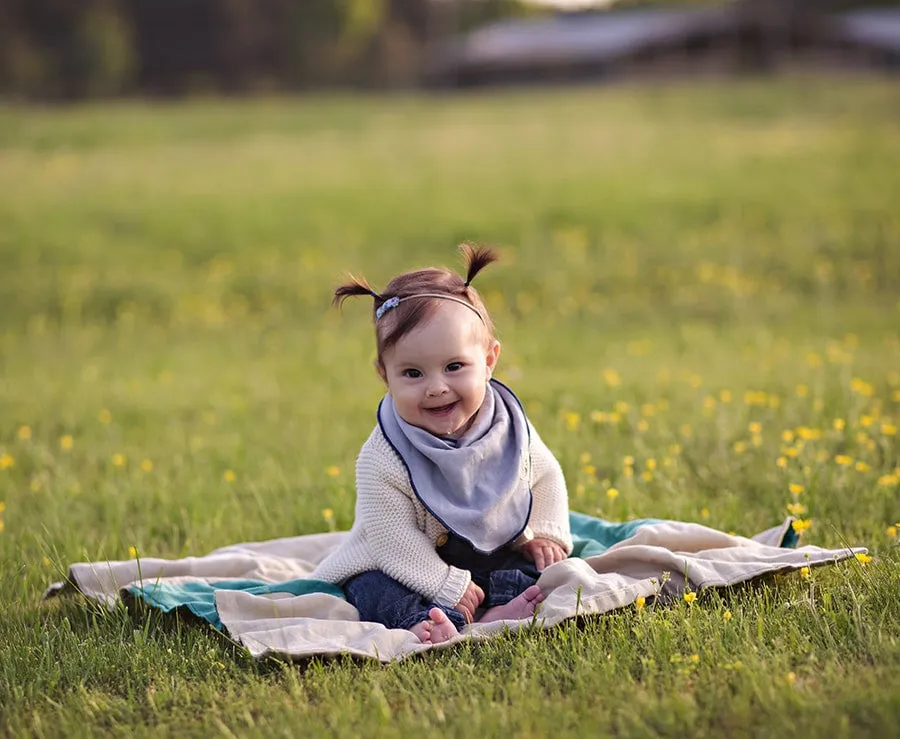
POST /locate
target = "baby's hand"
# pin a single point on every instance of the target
(543, 552)
(470, 601)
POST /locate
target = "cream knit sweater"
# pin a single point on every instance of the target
(394, 533)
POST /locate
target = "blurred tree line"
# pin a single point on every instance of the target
(67, 50)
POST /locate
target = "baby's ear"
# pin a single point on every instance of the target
(379, 368)
(493, 354)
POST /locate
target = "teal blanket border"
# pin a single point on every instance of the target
(591, 536)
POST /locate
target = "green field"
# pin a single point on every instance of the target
(703, 279)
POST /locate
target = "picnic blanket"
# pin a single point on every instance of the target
(259, 593)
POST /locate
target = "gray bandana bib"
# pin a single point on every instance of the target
(479, 487)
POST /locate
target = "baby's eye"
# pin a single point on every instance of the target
(412, 373)
(454, 366)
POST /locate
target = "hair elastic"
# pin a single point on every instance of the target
(393, 302)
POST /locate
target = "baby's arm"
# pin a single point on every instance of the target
(402, 550)
(550, 501)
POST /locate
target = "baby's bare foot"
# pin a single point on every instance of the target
(522, 606)
(438, 628)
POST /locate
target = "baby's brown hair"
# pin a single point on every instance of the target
(395, 316)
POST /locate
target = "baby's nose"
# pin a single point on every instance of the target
(436, 387)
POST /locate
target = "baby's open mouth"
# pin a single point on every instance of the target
(441, 409)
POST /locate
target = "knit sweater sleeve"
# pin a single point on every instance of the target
(386, 510)
(550, 506)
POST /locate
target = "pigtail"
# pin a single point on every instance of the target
(477, 258)
(356, 286)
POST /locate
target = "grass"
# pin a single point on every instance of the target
(698, 301)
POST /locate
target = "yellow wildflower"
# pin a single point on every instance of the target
(892, 531)
(792, 451)
(132, 552)
(802, 391)
(808, 434)
(801, 525)
(739, 447)
(726, 617)
(2, 525)
(66, 442)
(796, 509)
(862, 467)
(333, 471)
(725, 396)
(686, 430)
(704, 513)
(795, 488)
(787, 436)
(118, 460)
(651, 464)
(611, 377)
(695, 658)
(24, 433)
(47, 561)
(572, 419)
(781, 462)
(804, 573)
(612, 493)
(791, 678)
(689, 598)
(6, 461)
(755, 398)
(2, 506)
(622, 406)
(647, 475)
(642, 425)
(843, 460)
(327, 514)
(104, 416)
(639, 602)
(838, 424)
(861, 387)
(590, 470)
(146, 465)
(599, 416)
(628, 461)
(888, 429)
(648, 409)
(229, 476)
(755, 427)
(579, 490)
(863, 559)
(585, 458)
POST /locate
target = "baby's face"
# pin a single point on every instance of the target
(437, 373)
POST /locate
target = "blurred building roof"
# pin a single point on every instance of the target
(878, 27)
(597, 41)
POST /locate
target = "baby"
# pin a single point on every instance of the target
(460, 505)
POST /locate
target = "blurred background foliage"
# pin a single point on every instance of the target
(56, 49)
(62, 50)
